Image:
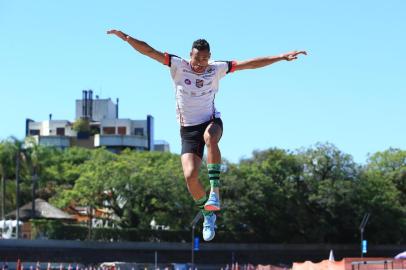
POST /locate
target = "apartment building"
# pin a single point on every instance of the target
(96, 124)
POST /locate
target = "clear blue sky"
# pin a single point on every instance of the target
(350, 90)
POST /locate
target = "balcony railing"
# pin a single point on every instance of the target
(120, 140)
(56, 141)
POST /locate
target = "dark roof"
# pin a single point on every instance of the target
(42, 210)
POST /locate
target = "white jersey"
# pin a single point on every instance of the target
(195, 92)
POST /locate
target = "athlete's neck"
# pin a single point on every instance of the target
(197, 69)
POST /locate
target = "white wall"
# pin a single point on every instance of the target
(101, 109)
(48, 128)
(128, 123)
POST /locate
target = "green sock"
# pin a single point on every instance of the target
(214, 174)
(200, 204)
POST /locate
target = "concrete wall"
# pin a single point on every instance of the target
(101, 109)
(48, 128)
(128, 123)
(213, 253)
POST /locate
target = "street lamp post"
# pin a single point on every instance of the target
(362, 229)
(18, 192)
(34, 182)
(193, 245)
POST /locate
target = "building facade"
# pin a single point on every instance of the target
(96, 124)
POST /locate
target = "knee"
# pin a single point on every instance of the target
(210, 139)
(191, 175)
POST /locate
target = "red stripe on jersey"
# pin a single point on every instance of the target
(233, 64)
(167, 58)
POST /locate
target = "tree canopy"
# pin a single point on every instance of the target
(312, 195)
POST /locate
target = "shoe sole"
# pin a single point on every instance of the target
(211, 208)
(211, 238)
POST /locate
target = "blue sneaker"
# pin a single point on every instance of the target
(213, 203)
(209, 224)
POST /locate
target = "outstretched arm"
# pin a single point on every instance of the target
(140, 46)
(265, 61)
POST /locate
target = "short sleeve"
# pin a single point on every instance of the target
(225, 67)
(172, 60)
(174, 63)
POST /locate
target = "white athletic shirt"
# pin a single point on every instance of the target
(195, 92)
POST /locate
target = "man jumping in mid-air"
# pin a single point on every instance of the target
(196, 84)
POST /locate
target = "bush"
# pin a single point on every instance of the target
(52, 229)
(55, 229)
(81, 125)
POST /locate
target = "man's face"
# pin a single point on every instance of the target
(199, 59)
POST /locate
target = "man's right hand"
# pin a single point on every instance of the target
(140, 46)
(118, 33)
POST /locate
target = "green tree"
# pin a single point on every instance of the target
(137, 186)
(327, 193)
(391, 164)
(314, 195)
(258, 195)
(7, 164)
(381, 192)
(81, 125)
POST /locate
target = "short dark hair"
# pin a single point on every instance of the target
(201, 44)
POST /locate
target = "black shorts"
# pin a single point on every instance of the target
(192, 137)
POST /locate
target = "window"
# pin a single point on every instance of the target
(60, 131)
(139, 131)
(122, 130)
(34, 132)
(109, 130)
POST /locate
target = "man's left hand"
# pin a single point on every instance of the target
(292, 55)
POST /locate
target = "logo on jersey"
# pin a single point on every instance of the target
(199, 83)
(188, 82)
(210, 69)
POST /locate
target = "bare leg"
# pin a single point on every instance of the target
(212, 136)
(191, 164)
